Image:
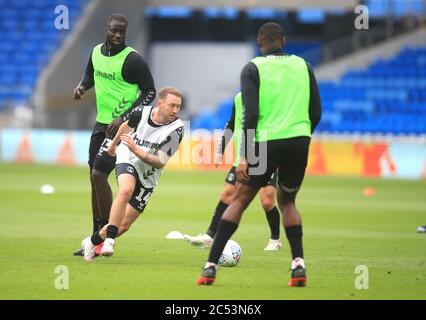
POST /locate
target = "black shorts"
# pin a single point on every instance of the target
(103, 161)
(140, 195)
(231, 178)
(98, 136)
(290, 157)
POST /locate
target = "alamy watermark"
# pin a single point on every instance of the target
(200, 147)
(362, 278)
(361, 21)
(62, 278)
(62, 21)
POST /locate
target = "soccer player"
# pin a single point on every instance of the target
(281, 108)
(267, 194)
(122, 81)
(141, 157)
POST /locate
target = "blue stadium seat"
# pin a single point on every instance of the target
(7, 79)
(28, 44)
(387, 97)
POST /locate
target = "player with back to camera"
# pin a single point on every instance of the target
(267, 194)
(281, 108)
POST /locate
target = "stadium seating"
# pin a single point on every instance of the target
(388, 97)
(29, 42)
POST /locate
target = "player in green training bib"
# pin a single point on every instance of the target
(281, 108)
(122, 82)
(114, 95)
(267, 194)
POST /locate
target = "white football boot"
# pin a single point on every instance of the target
(88, 249)
(421, 229)
(108, 248)
(202, 240)
(273, 245)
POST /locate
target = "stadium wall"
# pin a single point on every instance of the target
(386, 157)
(204, 88)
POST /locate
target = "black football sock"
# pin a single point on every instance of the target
(273, 217)
(294, 236)
(102, 223)
(225, 230)
(218, 213)
(96, 238)
(96, 224)
(111, 231)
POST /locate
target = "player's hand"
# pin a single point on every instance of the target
(218, 159)
(242, 172)
(111, 150)
(127, 140)
(78, 92)
(113, 127)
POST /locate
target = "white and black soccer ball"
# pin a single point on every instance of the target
(231, 254)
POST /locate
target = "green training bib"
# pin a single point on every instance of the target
(114, 95)
(283, 98)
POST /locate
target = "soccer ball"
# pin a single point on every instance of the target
(231, 255)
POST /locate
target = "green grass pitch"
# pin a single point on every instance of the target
(342, 229)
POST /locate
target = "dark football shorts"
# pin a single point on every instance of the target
(103, 161)
(232, 178)
(96, 140)
(290, 157)
(140, 195)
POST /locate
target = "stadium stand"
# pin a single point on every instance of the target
(27, 46)
(388, 97)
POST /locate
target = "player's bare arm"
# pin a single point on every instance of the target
(156, 161)
(123, 130)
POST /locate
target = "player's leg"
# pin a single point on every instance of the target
(205, 240)
(131, 216)
(135, 206)
(291, 174)
(102, 168)
(98, 135)
(103, 193)
(103, 196)
(292, 222)
(96, 216)
(126, 187)
(226, 198)
(96, 141)
(244, 194)
(267, 198)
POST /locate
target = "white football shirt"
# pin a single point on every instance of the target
(151, 137)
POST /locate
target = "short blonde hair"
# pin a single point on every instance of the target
(162, 94)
